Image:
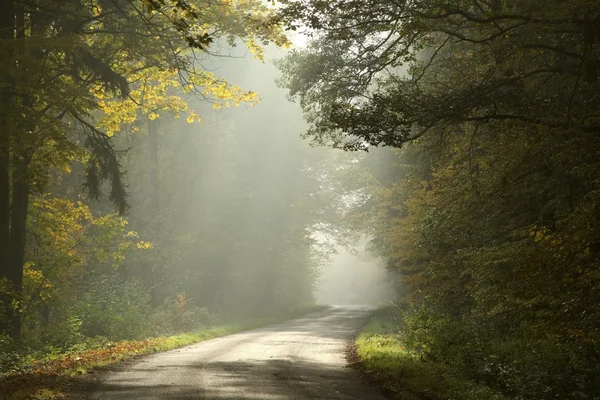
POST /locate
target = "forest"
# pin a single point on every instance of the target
(486, 197)
(156, 181)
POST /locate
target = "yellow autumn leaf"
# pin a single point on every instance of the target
(143, 245)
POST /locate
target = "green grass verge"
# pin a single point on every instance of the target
(382, 356)
(54, 375)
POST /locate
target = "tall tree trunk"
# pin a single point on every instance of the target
(5, 298)
(19, 203)
(7, 32)
(4, 208)
(18, 228)
(155, 221)
(153, 158)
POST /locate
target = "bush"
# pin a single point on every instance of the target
(174, 317)
(115, 310)
(10, 357)
(520, 363)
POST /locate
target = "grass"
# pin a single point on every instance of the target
(402, 374)
(52, 377)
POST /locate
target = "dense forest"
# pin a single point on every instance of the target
(154, 181)
(489, 204)
(143, 193)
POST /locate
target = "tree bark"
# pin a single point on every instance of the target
(5, 298)
(153, 158)
(19, 206)
(18, 228)
(7, 27)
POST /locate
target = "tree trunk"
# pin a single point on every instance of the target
(155, 222)
(153, 158)
(5, 298)
(7, 27)
(4, 208)
(19, 205)
(18, 228)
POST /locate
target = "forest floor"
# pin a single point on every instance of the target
(379, 353)
(61, 376)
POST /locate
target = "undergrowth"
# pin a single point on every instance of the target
(403, 374)
(48, 375)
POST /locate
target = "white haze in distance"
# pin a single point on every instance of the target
(355, 279)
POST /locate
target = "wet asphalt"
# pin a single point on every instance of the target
(300, 359)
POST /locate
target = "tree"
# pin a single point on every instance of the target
(59, 57)
(363, 80)
(482, 210)
(66, 246)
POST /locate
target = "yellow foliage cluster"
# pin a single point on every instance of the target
(155, 90)
(67, 236)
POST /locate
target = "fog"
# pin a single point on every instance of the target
(355, 277)
(155, 180)
(231, 217)
(244, 196)
(351, 275)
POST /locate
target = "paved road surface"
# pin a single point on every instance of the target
(296, 360)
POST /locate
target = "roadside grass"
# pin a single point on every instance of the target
(53, 376)
(403, 375)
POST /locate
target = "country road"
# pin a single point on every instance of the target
(299, 359)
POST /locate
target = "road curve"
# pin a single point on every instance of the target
(299, 359)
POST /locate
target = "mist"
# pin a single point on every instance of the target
(355, 278)
(221, 205)
(244, 196)
(172, 171)
(351, 275)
